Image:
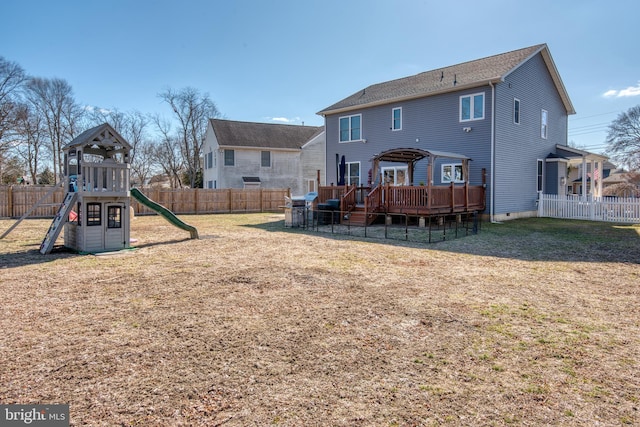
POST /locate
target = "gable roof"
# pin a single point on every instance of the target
(103, 134)
(480, 72)
(232, 133)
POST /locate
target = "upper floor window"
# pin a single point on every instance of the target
(351, 128)
(516, 111)
(472, 107)
(544, 128)
(396, 120)
(229, 157)
(265, 159)
(208, 163)
(451, 173)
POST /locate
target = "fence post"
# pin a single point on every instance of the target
(10, 202)
(592, 207)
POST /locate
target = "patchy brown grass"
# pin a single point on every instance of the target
(533, 322)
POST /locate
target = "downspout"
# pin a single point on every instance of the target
(493, 150)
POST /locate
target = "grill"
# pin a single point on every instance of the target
(297, 208)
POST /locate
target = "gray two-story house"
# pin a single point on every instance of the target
(263, 155)
(497, 123)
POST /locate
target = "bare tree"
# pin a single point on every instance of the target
(12, 78)
(53, 100)
(193, 111)
(30, 132)
(623, 138)
(166, 153)
(133, 127)
(142, 164)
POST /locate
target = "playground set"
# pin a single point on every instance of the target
(95, 213)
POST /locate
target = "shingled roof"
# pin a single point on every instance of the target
(102, 134)
(456, 77)
(262, 135)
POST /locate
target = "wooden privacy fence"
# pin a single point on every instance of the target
(16, 200)
(610, 209)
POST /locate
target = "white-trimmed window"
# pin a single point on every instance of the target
(265, 159)
(451, 173)
(395, 175)
(351, 128)
(472, 107)
(540, 173)
(544, 124)
(516, 111)
(229, 158)
(311, 185)
(396, 119)
(353, 173)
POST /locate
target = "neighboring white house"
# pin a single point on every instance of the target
(263, 155)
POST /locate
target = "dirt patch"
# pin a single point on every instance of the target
(261, 325)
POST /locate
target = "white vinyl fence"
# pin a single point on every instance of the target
(611, 209)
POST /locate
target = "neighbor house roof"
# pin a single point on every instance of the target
(618, 176)
(480, 72)
(262, 135)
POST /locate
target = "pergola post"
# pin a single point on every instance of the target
(429, 183)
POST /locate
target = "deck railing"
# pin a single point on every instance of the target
(404, 197)
(422, 199)
(104, 177)
(348, 199)
(373, 200)
(330, 192)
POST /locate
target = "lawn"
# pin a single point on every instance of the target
(530, 322)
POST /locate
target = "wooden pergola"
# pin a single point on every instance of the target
(411, 156)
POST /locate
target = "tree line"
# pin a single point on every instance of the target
(39, 116)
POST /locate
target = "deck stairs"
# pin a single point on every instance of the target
(358, 217)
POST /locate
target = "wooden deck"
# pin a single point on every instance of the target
(363, 204)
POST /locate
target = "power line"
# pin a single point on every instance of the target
(590, 126)
(587, 132)
(595, 115)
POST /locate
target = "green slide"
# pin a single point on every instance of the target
(166, 213)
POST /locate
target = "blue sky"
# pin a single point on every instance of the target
(284, 60)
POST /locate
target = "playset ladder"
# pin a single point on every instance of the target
(58, 223)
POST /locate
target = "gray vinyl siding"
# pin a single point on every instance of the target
(519, 146)
(433, 123)
(429, 123)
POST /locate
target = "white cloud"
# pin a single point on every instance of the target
(91, 109)
(628, 92)
(285, 119)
